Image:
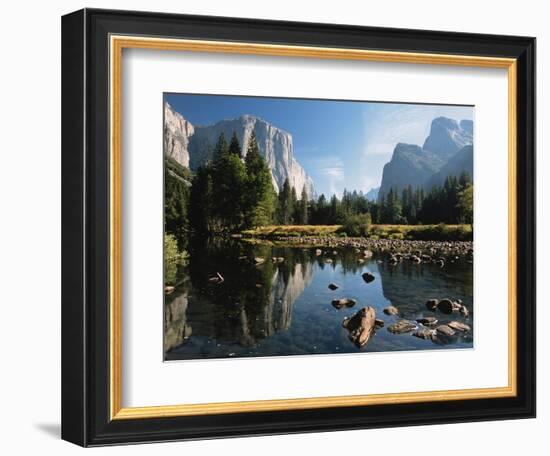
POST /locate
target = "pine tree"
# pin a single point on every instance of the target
(303, 212)
(221, 147)
(294, 206)
(229, 187)
(285, 208)
(234, 146)
(259, 193)
(201, 201)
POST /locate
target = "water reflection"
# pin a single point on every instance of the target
(282, 305)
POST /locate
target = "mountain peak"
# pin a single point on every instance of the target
(275, 145)
(447, 136)
(424, 166)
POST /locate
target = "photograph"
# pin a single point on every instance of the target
(307, 226)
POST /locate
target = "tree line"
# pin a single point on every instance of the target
(450, 203)
(229, 194)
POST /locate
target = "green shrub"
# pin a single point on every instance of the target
(356, 225)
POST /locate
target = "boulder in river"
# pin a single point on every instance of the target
(259, 260)
(427, 321)
(424, 333)
(445, 306)
(368, 277)
(318, 252)
(445, 331)
(361, 326)
(458, 326)
(401, 327)
(379, 323)
(431, 304)
(464, 311)
(333, 286)
(343, 302)
(169, 289)
(391, 310)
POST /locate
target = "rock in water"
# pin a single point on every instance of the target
(391, 310)
(318, 252)
(402, 326)
(333, 286)
(431, 304)
(445, 306)
(361, 326)
(379, 323)
(426, 334)
(367, 277)
(259, 260)
(169, 289)
(458, 326)
(427, 321)
(344, 302)
(464, 311)
(445, 331)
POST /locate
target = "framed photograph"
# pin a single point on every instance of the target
(279, 227)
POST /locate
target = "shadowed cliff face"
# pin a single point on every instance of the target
(447, 151)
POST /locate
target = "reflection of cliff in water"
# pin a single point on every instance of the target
(408, 285)
(253, 302)
(176, 328)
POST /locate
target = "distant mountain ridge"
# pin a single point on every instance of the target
(372, 194)
(192, 146)
(448, 150)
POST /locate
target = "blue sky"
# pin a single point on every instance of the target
(340, 144)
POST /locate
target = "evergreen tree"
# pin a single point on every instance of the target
(220, 148)
(260, 195)
(234, 146)
(229, 177)
(285, 208)
(303, 209)
(176, 201)
(201, 201)
(294, 206)
(466, 204)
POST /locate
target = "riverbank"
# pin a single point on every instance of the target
(439, 232)
(395, 250)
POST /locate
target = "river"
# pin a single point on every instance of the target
(283, 306)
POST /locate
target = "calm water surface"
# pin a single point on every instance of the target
(284, 307)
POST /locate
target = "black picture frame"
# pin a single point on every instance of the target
(85, 224)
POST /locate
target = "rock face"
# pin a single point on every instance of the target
(409, 165)
(177, 132)
(448, 150)
(447, 137)
(192, 146)
(462, 161)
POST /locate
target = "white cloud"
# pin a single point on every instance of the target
(327, 171)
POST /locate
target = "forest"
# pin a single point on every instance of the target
(229, 194)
